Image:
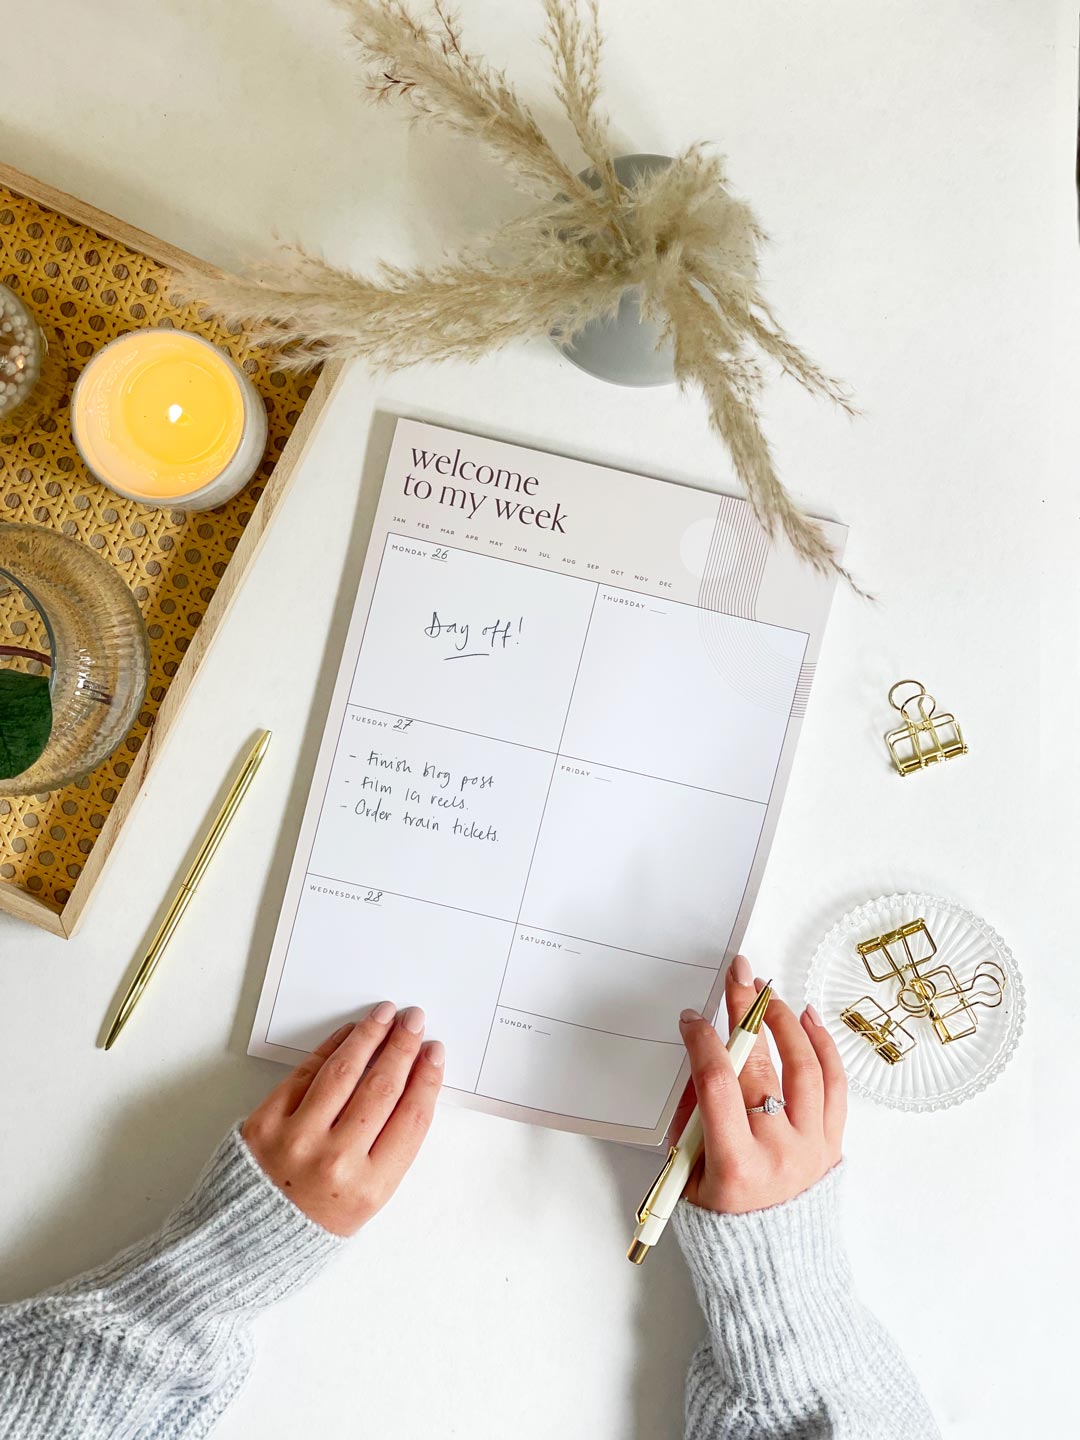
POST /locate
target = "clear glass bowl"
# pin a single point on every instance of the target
(931, 1076)
(58, 596)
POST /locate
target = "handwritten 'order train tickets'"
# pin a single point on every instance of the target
(554, 760)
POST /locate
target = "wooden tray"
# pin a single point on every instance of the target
(88, 278)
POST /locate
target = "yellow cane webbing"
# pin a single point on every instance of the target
(85, 289)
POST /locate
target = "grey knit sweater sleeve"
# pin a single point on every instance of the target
(154, 1345)
(791, 1354)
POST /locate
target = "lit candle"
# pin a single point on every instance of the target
(163, 417)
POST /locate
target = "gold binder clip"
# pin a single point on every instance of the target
(904, 949)
(878, 1028)
(925, 736)
(951, 1011)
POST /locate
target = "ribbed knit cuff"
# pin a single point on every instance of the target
(776, 1290)
(237, 1243)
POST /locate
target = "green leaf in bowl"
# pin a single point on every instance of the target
(25, 720)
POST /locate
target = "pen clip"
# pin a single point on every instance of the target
(645, 1208)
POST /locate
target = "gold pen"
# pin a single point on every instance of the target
(190, 884)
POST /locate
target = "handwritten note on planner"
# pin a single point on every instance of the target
(554, 760)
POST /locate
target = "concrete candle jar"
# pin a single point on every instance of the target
(165, 418)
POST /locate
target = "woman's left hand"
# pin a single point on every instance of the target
(339, 1133)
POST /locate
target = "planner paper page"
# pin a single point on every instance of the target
(558, 743)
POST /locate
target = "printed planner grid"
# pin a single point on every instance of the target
(578, 827)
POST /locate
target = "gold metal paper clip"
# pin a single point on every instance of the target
(925, 736)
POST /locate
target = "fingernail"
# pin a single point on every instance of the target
(436, 1053)
(413, 1020)
(689, 1016)
(740, 970)
(759, 983)
(384, 1012)
(814, 1016)
(339, 1035)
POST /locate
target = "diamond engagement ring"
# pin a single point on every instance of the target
(770, 1107)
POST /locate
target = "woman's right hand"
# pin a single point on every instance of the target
(339, 1133)
(754, 1161)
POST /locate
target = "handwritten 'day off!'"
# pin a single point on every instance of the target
(493, 638)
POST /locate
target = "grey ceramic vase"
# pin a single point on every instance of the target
(624, 348)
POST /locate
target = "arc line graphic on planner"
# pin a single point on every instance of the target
(731, 574)
(554, 839)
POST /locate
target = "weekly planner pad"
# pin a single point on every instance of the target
(564, 719)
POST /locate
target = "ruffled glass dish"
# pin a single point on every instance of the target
(931, 1075)
(65, 612)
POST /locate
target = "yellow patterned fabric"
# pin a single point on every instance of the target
(85, 289)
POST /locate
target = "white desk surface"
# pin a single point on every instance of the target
(914, 166)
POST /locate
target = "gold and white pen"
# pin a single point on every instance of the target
(659, 1204)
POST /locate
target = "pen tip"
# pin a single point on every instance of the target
(751, 1021)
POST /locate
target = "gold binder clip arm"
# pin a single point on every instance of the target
(926, 736)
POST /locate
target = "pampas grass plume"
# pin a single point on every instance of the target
(678, 234)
